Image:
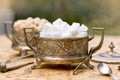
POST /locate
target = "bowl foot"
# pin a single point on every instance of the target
(87, 63)
(36, 65)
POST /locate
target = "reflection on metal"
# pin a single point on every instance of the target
(63, 51)
(106, 70)
(17, 38)
(108, 57)
(4, 68)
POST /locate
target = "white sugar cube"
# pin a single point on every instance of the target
(74, 30)
(45, 34)
(55, 35)
(65, 25)
(50, 34)
(58, 21)
(81, 34)
(47, 27)
(75, 24)
(66, 34)
(42, 34)
(83, 28)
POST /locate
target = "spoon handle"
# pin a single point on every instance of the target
(113, 77)
(18, 58)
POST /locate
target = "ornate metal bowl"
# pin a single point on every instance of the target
(63, 51)
(18, 39)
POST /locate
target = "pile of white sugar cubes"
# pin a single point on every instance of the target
(61, 29)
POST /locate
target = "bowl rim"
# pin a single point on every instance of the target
(43, 38)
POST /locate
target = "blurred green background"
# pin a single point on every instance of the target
(93, 13)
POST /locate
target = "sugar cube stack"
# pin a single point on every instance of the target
(61, 29)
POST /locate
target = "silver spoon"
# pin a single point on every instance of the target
(3, 65)
(104, 69)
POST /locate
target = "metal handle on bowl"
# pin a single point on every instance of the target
(93, 49)
(13, 38)
(27, 41)
(5, 29)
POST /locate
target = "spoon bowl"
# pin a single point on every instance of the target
(104, 69)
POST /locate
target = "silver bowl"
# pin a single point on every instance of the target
(63, 51)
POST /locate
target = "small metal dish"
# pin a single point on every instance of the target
(17, 38)
(111, 56)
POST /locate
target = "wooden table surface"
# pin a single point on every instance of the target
(55, 72)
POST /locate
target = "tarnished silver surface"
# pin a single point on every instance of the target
(63, 51)
(107, 57)
(58, 60)
(18, 39)
(3, 65)
(104, 69)
(62, 47)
